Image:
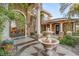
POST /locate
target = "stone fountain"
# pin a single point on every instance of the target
(49, 43)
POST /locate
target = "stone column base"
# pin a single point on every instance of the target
(61, 35)
(39, 35)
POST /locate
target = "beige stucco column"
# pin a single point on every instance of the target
(61, 33)
(28, 23)
(50, 27)
(61, 27)
(25, 28)
(38, 20)
(74, 27)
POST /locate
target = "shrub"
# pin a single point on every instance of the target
(68, 40)
(4, 53)
(8, 42)
(32, 33)
(0, 41)
(44, 34)
(75, 34)
(6, 47)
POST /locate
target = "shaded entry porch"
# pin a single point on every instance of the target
(59, 27)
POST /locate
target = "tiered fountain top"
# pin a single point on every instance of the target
(48, 39)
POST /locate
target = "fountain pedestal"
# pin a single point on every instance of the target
(49, 43)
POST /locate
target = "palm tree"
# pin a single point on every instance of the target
(73, 9)
(4, 24)
(2, 19)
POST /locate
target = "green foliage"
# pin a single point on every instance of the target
(10, 14)
(32, 33)
(3, 18)
(68, 40)
(20, 21)
(44, 34)
(0, 41)
(2, 21)
(4, 53)
(75, 34)
(42, 14)
(22, 6)
(8, 42)
(73, 9)
(6, 15)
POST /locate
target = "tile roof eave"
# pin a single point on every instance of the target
(56, 20)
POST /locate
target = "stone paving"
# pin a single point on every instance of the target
(34, 47)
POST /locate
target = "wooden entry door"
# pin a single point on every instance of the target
(57, 28)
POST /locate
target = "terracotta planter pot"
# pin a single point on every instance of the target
(9, 47)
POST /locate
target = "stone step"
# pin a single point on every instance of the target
(24, 47)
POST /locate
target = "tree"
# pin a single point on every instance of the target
(3, 21)
(73, 9)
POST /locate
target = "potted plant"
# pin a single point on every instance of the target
(3, 52)
(8, 45)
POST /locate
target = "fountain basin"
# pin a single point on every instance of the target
(49, 44)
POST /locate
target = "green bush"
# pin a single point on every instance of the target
(44, 34)
(2, 50)
(32, 33)
(0, 41)
(4, 53)
(68, 40)
(8, 42)
(75, 34)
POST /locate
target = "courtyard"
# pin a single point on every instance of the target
(32, 29)
(35, 48)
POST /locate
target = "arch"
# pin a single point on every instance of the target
(21, 12)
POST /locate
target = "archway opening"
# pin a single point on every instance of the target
(17, 27)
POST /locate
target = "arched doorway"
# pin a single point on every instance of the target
(18, 26)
